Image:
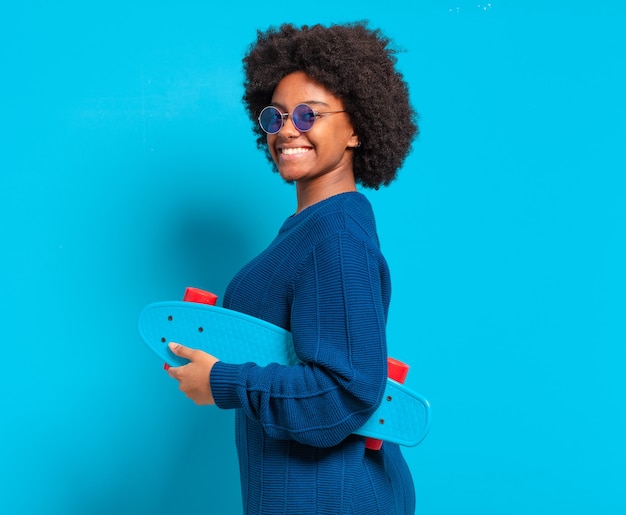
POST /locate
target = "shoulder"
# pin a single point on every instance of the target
(341, 230)
(347, 213)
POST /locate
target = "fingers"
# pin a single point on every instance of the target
(192, 377)
(180, 350)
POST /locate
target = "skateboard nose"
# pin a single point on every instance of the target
(200, 297)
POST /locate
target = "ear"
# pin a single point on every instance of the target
(354, 141)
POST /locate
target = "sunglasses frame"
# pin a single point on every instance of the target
(284, 116)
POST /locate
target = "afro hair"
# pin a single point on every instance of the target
(357, 65)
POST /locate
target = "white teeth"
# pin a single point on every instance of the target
(291, 151)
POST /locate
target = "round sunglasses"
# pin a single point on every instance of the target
(303, 117)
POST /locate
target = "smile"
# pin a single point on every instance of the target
(293, 151)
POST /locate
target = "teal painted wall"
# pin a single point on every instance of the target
(128, 171)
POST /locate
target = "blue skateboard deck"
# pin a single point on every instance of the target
(402, 418)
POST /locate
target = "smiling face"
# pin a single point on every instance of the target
(319, 160)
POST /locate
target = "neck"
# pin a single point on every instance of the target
(312, 192)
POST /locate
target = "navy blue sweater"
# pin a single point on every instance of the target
(324, 279)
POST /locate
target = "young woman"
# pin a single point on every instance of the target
(331, 112)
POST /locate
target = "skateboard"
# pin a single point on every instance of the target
(403, 416)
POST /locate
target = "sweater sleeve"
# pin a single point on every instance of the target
(338, 316)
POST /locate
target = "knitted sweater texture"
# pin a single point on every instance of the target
(324, 279)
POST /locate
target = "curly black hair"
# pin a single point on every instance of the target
(357, 65)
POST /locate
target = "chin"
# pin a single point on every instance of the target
(288, 177)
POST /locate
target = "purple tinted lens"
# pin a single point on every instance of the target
(271, 120)
(303, 117)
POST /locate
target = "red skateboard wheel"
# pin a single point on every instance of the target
(200, 296)
(396, 370)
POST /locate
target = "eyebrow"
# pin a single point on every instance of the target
(310, 102)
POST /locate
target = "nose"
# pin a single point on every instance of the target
(289, 129)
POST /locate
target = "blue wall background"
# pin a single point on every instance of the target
(128, 171)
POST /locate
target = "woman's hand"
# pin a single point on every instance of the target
(194, 377)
